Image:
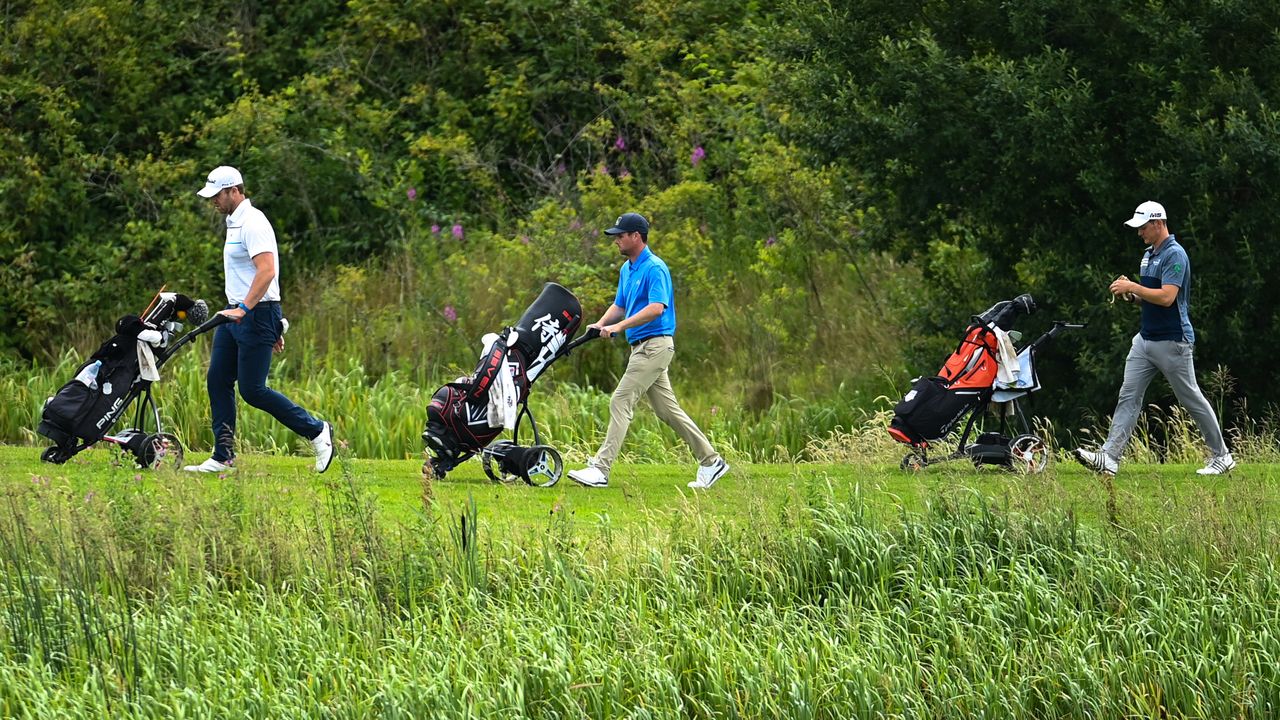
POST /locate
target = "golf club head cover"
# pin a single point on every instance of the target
(198, 313)
(129, 326)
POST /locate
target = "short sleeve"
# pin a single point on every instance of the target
(259, 237)
(1175, 270)
(660, 286)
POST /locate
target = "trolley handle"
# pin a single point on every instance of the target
(1053, 332)
(589, 335)
(211, 323)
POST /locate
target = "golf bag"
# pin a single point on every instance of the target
(970, 383)
(86, 408)
(466, 415)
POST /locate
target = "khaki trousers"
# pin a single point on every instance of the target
(646, 375)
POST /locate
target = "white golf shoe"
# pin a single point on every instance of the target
(210, 466)
(323, 444)
(709, 474)
(1218, 466)
(590, 476)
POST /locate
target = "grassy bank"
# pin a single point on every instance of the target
(788, 591)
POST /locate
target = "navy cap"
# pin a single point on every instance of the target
(630, 222)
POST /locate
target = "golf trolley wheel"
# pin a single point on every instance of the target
(491, 458)
(543, 466)
(1028, 454)
(912, 461)
(53, 455)
(159, 450)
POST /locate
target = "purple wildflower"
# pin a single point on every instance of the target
(524, 239)
(602, 169)
(697, 155)
(435, 229)
(457, 230)
(575, 224)
(561, 168)
(412, 193)
(624, 173)
(449, 313)
(620, 143)
(770, 241)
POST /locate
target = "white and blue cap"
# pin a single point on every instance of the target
(220, 178)
(1146, 212)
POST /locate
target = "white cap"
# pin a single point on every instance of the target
(221, 178)
(1147, 211)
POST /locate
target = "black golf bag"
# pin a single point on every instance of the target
(967, 386)
(465, 416)
(85, 409)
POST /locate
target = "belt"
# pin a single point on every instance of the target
(647, 338)
(260, 302)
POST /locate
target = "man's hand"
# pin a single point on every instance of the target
(235, 314)
(606, 331)
(1123, 286)
(279, 346)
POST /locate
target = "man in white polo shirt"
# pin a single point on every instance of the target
(242, 348)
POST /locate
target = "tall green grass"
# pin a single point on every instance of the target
(184, 599)
(383, 416)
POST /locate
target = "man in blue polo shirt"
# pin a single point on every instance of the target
(644, 308)
(1165, 344)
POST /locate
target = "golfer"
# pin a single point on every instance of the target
(242, 348)
(1165, 344)
(644, 309)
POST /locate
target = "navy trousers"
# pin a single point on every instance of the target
(242, 354)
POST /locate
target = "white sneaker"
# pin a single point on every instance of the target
(210, 466)
(590, 476)
(323, 443)
(709, 474)
(1218, 466)
(1098, 462)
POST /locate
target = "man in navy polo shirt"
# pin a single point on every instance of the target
(1165, 344)
(644, 308)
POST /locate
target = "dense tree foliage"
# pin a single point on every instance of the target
(1000, 145)
(427, 166)
(844, 181)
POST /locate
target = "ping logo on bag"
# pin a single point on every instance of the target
(110, 413)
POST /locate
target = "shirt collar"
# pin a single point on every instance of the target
(236, 219)
(645, 256)
(1165, 244)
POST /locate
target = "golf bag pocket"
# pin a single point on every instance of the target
(81, 411)
(929, 410)
(58, 421)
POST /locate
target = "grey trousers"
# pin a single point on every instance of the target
(646, 375)
(1172, 359)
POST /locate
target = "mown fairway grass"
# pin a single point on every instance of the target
(787, 591)
(1145, 495)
